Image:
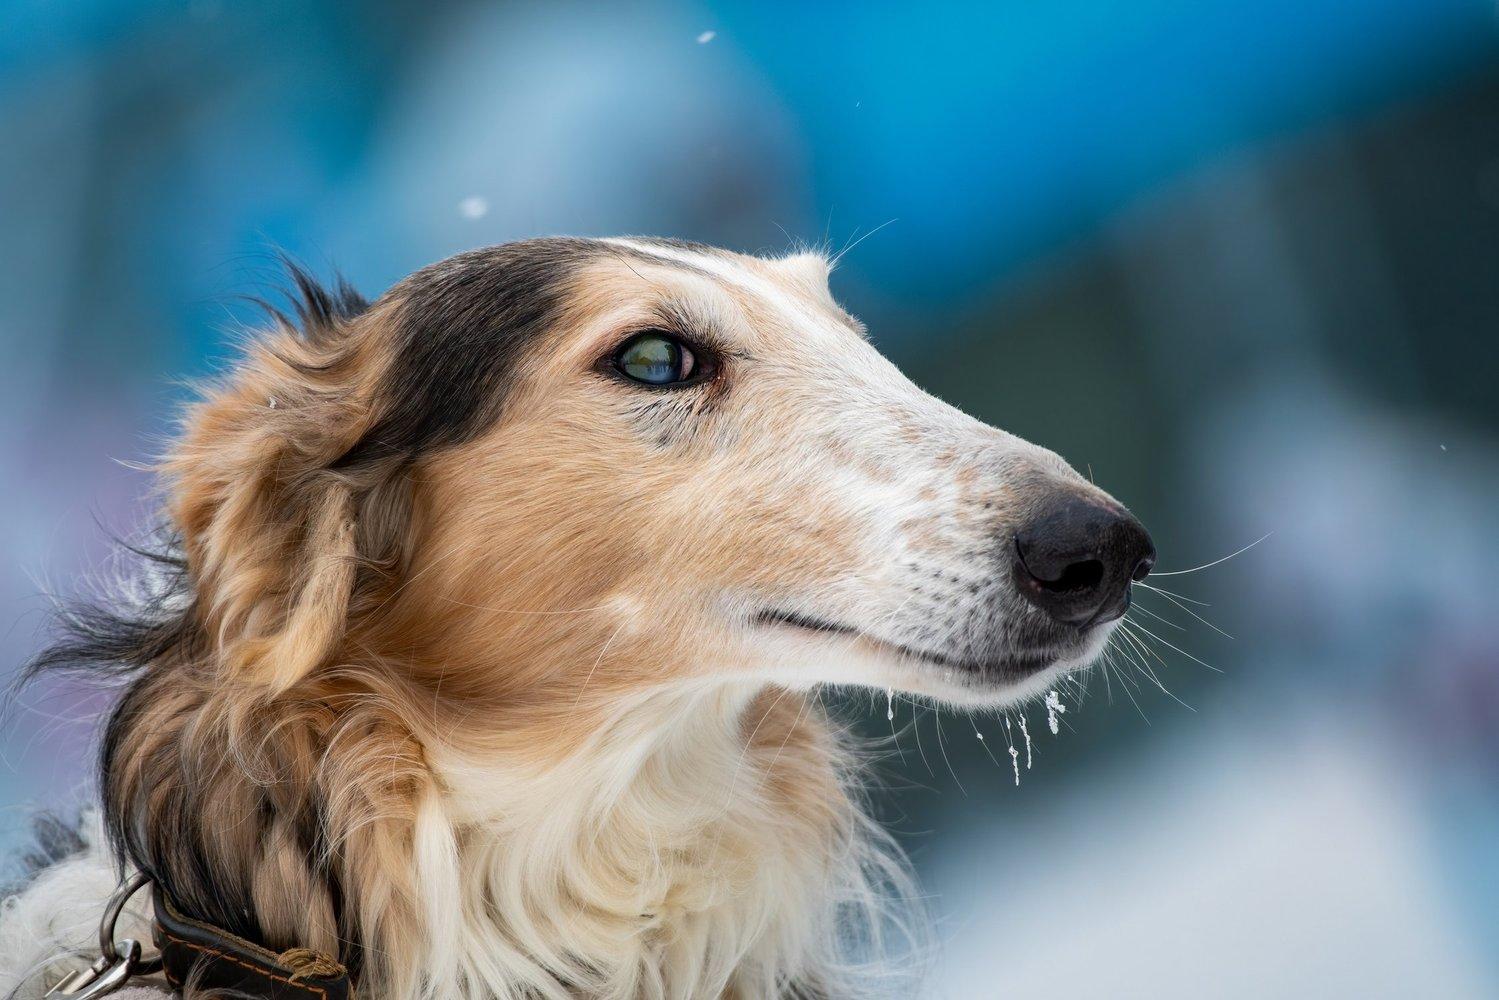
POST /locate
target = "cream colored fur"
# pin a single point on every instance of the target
(532, 880)
(570, 753)
(653, 865)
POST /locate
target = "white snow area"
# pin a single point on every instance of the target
(1054, 708)
(1014, 754)
(1285, 862)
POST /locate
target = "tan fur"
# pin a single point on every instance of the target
(515, 679)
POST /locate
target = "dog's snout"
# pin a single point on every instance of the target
(1076, 560)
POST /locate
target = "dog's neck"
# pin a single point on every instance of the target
(694, 842)
(698, 843)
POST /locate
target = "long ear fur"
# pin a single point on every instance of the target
(307, 633)
(269, 525)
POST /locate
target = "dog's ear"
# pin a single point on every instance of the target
(270, 522)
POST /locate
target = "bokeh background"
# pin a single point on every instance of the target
(1240, 261)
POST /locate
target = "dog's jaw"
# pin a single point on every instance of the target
(794, 650)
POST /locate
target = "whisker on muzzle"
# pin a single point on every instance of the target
(1215, 562)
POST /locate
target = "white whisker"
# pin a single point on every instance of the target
(942, 745)
(916, 728)
(1164, 621)
(1215, 562)
(1179, 604)
(1150, 672)
(1177, 649)
(1124, 683)
(1172, 593)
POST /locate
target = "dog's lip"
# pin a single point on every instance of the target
(1014, 664)
(775, 616)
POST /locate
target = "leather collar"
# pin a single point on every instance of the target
(201, 955)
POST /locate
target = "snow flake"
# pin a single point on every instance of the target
(1054, 708)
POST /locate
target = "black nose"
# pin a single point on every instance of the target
(1075, 562)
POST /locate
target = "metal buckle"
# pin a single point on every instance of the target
(115, 965)
(103, 977)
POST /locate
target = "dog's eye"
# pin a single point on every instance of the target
(656, 358)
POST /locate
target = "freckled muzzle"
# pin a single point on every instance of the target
(1075, 562)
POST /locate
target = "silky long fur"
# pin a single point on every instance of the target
(290, 786)
(475, 663)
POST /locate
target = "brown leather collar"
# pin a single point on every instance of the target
(198, 954)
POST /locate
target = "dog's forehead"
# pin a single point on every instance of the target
(795, 285)
(761, 274)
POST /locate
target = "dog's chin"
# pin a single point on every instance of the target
(813, 651)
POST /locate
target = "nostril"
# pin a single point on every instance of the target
(1083, 575)
(1143, 568)
(1057, 576)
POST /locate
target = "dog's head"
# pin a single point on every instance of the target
(565, 468)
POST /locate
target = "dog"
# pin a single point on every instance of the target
(483, 638)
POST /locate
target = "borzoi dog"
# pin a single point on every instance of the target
(481, 646)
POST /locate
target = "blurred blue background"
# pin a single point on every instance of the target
(1241, 261)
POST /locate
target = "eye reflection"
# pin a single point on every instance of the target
(656, 358)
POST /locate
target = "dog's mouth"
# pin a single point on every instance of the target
(1009, 666)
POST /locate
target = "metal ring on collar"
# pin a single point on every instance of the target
(112, 910)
